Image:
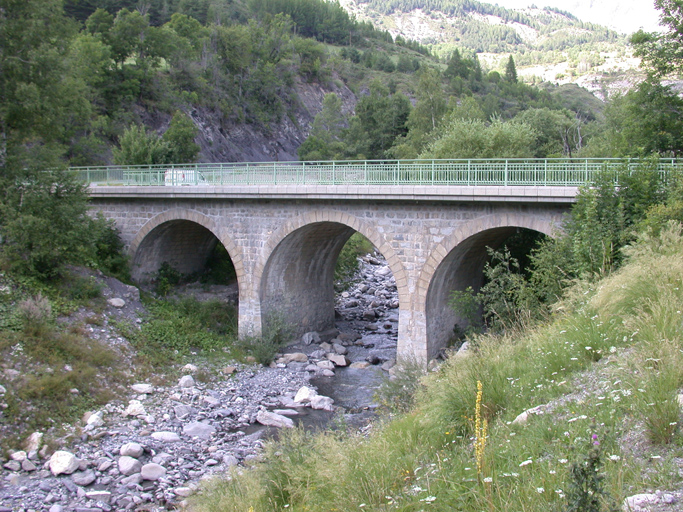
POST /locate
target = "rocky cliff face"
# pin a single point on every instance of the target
(222, 140)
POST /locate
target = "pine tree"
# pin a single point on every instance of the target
(511, 71)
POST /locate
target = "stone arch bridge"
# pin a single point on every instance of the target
(284, 232)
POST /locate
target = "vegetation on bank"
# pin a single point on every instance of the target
(605, 371)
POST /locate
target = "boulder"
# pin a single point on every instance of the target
(310, 337)
(134, 450)
(116, 302)
(143, 389)
(135, 408)
(186, 381)
(297, 357)
(322, 403)
(129, 465)
(63, 463)
(304, 395)
(272, 419)
(325, 365)
(199, 429)
(339, 349)
(84, 478)
(166, 437)
(338, 360)
(34, 442)
(152, 471)
(640, 503)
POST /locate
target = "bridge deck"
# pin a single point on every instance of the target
(526, 194)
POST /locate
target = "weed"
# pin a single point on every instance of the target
(276, 334)
(586, 492)
(397, 392)
(166, 278)
(35, 314)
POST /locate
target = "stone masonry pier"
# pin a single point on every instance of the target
(284, 242)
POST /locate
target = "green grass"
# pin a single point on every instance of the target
(607, 370)
(176, 328)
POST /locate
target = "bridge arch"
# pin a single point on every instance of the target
(182, 237)
(458, 262)
(295, 275)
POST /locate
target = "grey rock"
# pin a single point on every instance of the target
(129, 465)
(310, 337)
(116, 302)
(63, 462)
(143, 388)
(152, 471)
(166, 437)
(84, 478)
(134, 450)
(12, 465)
(320, 402)
(186, 381)
(183, 411)
(230, 460)
(198, 429)
(340, 349)
(272, 419)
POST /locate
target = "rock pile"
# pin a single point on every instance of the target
(150, 451)
(153, 450)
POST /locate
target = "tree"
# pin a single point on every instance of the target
(511, 71)
(475, 139)
(662, 53)
(380, 118)
(137, 147)
(180, 140)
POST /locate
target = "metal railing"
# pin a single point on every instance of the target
(493, 172)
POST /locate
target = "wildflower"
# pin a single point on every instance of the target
(562, 461)
(429, 499)
(488, 480)
(540, 490)
(613, 349)
(552, 472)
(525, 463)
(614, 458)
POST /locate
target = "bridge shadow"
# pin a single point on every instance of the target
(186, 248)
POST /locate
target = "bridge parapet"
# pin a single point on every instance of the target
(558, 172)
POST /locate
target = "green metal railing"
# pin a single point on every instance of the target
(494, 172)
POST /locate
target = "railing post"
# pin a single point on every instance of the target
(469, 170)
(432, 172)
(274, 174)
(397, 175)
(586, 180)
(302, 178)
(505, 176)
(334, 171)
(545, 173)
(365, 171)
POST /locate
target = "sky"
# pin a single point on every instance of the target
(622, 15)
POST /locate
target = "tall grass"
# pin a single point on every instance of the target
(605, 372)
